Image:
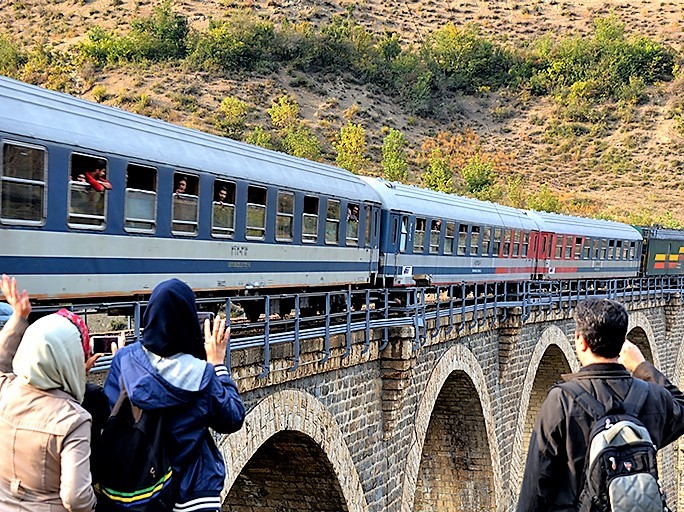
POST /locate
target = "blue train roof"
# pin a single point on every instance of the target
(407, 198)
(55, 117)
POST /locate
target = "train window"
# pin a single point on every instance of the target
(353, 224)
(506, 243)
(404, 234)
(586, 253)
(185, 213)
(618, 249)
(597, 248)
(486, 240)
(310, 220)
(223, 209)
(578, 247)
(22, 180)
(604, 245)
(370, 221)
(611, 249)
(255, 227)
(625, 250)
(496, 247)
(332, 222)
(567, 254)
(516, 244)
(474, 240)
(559, 247)
(88, 186)
(449, 238)
(435, 232)
(140, 210)
(462, 239)
(525, 244)
(285, 216)
(632, 250)
(419, 237)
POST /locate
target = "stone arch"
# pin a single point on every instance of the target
(293, 416)
(459, 365)
(640, 332)
(552, 350)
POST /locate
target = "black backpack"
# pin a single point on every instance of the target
(620, 471)
(134, 467)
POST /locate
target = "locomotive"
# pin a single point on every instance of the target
(232, 219)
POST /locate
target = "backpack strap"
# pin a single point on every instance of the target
(636, 397)
(632, 404)
(584, 399)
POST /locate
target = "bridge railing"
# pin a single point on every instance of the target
(269, 320)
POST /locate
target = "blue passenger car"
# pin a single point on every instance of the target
(221, 215)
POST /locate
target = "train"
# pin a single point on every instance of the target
(234, 219)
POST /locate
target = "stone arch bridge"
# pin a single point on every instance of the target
(388, 424)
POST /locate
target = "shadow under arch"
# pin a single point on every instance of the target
(288, 423)
(554, 351)
(640, 332)
(457, 367)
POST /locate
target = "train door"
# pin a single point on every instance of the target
(543, 253)
(398, 241)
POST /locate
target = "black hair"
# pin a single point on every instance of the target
(603, 323)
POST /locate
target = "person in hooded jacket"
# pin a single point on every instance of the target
(174, 370)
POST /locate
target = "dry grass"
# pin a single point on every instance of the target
(635, 164)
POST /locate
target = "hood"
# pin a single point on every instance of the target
(50, 356)
(153, 382)
(170, 321)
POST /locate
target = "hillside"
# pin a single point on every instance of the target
(631, 165)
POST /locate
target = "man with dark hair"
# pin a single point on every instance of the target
(558, 446)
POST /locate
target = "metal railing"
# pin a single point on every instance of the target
(268, 320)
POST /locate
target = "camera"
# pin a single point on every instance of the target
(202, 316)
(102, 343)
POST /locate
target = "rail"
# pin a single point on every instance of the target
(291, 319)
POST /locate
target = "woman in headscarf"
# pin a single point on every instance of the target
(44, 430)
(178, 372)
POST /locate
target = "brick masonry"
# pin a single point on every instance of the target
(438, 427)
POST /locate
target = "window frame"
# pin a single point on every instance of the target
(220, 231)
(285, 215)
(258, 207)
(153, 222)
(44, 183)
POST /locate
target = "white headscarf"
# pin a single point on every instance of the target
(50, 356)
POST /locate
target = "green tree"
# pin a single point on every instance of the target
(478, 178)
(545, 200)
(438, 175)
(11, 58)
(351, 148)
(231, 116)
(394, 164)
(284, 112)
(300, 141)
(259, 136)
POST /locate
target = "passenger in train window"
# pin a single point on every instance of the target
(81, 178)
(181, 185)
(221, 195)
(353, 213)
(97, 178)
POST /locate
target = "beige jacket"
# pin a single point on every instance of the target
(44, 442)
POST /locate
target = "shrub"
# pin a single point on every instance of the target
(351, 148)
(11, 58)
(231, 116)
(243, 41)
(461, 59)
(478, 178)
(260, 137)
(284, 112)
(438, 175)
(300, 141)
(394, 164)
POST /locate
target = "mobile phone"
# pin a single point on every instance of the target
(202, 316)
(102, 343)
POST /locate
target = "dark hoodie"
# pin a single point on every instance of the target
(167, 371)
